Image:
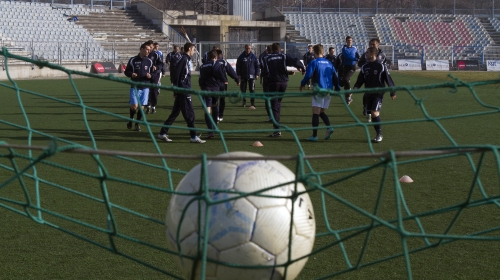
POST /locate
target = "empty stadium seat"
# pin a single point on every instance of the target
(329, 29)
(22, 22)
(431, 30)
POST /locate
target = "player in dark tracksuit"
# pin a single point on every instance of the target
(248, 70)
(139, 69)
(374, 74)
(264, 76)
(171, 60)
(350, 57)
(339, 60)
(331, 56)
(275, 64)
(380, 58)
(308, 57)
(205, 56)
(209, 80)
(224, 69)
(182, 103)
(158, 70)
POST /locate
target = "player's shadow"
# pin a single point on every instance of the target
(82, 136)
(245, 138)
(346, 140)
(61, 114)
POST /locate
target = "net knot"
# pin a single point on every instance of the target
(51, 149)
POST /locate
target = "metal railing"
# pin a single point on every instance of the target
(119, 4)
(115, 52)
(370, 11)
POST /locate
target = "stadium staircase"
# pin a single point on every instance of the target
(293, 36)
(494, 34)
(125, 30)
(296, 43)
(371, 32)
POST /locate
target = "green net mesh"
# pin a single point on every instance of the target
(66, 165)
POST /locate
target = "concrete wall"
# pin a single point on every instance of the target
(152, 13)
(269, 34)
(209, 33)
(175, 13)
(24, 72)
(273, 14)
(214, 27)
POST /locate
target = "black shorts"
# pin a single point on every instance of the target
(373, 102)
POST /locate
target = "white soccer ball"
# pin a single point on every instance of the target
(243, 230)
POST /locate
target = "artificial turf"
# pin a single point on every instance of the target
(425, 119)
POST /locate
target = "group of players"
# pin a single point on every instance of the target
(148, 67)
(335, 71)
(271, 66)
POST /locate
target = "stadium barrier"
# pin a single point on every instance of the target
(86, 52)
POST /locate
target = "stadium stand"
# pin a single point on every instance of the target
(329, 29)
(122, 30)
(435, 36)
(413, 36)
(40, 29)
(49, 31)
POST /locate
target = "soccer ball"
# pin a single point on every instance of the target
(245, 228)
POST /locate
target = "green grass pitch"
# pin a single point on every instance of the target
(29, 250)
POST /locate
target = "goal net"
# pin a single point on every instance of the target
(67, 162)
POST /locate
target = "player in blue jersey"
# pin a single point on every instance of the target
(374, 75)
(322, 73)
(350, 57)
(157, 49)
(139, 69)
